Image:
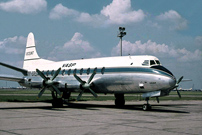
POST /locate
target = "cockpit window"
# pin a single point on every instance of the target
(145, 63)
(152, 62)
(158, 62)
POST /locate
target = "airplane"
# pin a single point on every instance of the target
(115, 75)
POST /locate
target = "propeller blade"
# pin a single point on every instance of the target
(91, 77)
(79, 79)
(41, 92)
(56, 89)
(179, 80)
(85, 85)
(177, 85)
(94, 94)
(157, 99)
(79, 96)
(56, 74)
(41, 74)
(178, 93)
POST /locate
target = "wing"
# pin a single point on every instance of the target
(186, 80)
(11, 78)
(23, 71)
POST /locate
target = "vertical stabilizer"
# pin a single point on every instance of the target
(31, 59)
(30, 52)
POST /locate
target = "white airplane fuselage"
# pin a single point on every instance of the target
(122, 74)
(117, 75)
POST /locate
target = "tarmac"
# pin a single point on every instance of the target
(101, 118)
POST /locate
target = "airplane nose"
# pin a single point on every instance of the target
(172, 82)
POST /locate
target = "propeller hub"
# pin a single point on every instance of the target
(47, 82)
(86, 86)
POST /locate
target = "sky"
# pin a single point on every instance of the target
(74, 29)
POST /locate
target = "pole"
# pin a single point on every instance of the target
(121, 45)
(121, 34)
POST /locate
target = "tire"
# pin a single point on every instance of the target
(119, 102)
(57, 103)
(146, 107)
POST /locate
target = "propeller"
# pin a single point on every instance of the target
(177, 85)
(47, 82)
(85, 85)
(157, 99)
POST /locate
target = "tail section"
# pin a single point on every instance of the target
(30, 52)
(31, 59)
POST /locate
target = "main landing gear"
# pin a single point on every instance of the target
(119, 101)
(147, 106)
(58, 102)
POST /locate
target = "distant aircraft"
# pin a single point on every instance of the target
(116, 75)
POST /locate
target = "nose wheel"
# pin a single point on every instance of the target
(147, 107)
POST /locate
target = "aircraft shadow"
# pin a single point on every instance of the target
(155, 108)
(74, 105)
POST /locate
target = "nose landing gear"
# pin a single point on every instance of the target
(147, 107)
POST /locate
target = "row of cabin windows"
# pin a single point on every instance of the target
(75, 71)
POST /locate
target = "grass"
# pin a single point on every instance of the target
(13, 95)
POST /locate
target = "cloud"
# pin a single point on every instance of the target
(160, 50)
(198, 40)
(76, 48)
(174, 19)
(13, 45)
(60, 11)
(24, 6)
(118, 12)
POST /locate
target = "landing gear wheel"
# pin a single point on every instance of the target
(66, 96)
(57, 103)
(146, 107)
(119, 101)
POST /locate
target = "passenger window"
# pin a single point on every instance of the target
(81, 71)
(103, 70)
(95, 70)
(88, 71)
(145, 63)
(152, 62)
(47, 72)
(63, 72)
(74, 71)
(69, 72)
(52, 72)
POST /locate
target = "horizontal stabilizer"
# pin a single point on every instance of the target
(23, 71)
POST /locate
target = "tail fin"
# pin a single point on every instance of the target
(30, 52)
(31, 59)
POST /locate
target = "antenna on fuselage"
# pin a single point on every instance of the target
(121, 34)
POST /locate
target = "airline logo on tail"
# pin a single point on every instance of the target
(30, 53)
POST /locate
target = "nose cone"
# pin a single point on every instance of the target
(172, 82)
